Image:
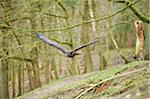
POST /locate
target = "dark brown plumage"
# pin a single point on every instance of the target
(67, 53)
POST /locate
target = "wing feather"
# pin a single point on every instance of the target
(90, 43)
(52, 43)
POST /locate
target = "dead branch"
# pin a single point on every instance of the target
(116, 46)
(140, 38)
(118, 49)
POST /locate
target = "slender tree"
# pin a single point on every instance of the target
(85, 38)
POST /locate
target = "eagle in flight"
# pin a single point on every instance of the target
(67, 53)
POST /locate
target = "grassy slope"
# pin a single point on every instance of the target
(74, 88)
(69, 87)
(79, 83)
(99, 76)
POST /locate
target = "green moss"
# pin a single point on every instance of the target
(126, 84)
(100, 76)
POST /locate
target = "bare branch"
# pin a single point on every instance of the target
(62, 6)
(116, 46)
(85, 22)
(134, 10)
(49, 14)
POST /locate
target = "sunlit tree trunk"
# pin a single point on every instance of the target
(53, 63)
(140, 38)
(85, 38)
(92, 15)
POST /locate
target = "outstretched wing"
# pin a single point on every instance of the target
(85, 45)
(52, 43)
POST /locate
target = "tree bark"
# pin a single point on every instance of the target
(4, 69)
(147, 33)
(35, 66)
(140, 38)
(4, 88)
(85, 38)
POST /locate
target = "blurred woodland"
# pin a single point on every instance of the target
(27, 63)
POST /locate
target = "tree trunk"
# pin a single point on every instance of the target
(1, 84)
(34, 57)
(4, 85)
(85, 38)
(20, 79)
(53, 63)
(34, 62)
(4, 88)
(30, 76)
(147, 32)
(73, 68)
(140, 38)
(4, 69)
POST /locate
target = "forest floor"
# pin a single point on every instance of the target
(124, 80)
